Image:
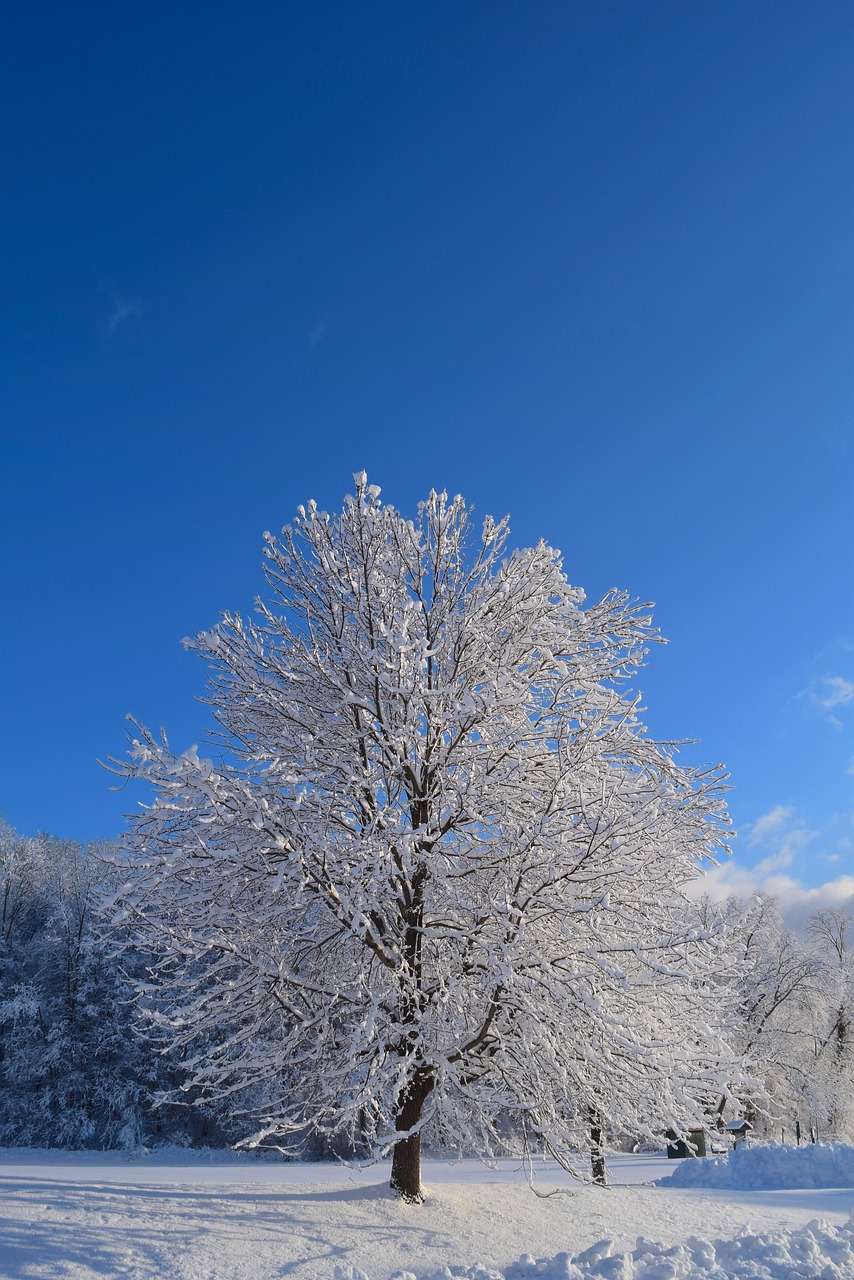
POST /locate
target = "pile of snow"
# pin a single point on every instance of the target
(776, 1167)
(817, 1250)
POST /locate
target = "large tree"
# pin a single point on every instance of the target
(437, 875)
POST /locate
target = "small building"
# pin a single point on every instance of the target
(738, 1131)
(680, 1149)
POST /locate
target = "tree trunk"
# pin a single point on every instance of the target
(406, 1160)
(718, 1119)
(597, 1155)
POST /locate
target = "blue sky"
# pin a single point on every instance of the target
(589, 263)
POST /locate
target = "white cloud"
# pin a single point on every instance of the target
(780, 832)
(775, 861)
(772, 831)
(769, 824)
(838, 692)
(122, 311)
(797, 902)
(317, 333)
(829, 693)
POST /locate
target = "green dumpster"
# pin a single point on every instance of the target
(678, 1149)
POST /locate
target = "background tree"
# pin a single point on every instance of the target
(21, 906)
(72, 1071)
(830, 1080)
(438, 874)
(770, 983)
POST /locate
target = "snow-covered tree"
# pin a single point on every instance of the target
(770, 984)
(72, 1073)
(437, 876)
(84, 1083)
(21, 895)
(830, 1078)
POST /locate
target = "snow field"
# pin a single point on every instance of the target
(817, 1250)
(182, 1217)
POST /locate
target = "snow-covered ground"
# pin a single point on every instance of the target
(179, 1216)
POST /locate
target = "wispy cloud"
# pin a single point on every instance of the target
(775, 861)
(783, 833)
(123, 309)
(828, 694)
(838, 691)
(776, 831)
(797, 901)
(769, 824)
(317, 333)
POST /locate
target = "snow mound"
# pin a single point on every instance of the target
(772, 1168)
(817, 1251)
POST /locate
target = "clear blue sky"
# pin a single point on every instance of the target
(589, 263)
